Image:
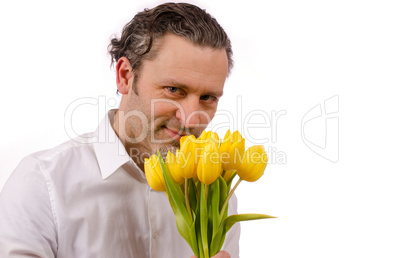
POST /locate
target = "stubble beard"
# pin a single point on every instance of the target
(152, 143)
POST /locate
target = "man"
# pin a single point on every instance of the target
(89, 198)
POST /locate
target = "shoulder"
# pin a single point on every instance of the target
(32, 170)
(72, 148)
(26, 212)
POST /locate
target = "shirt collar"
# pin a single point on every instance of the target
(109, 150)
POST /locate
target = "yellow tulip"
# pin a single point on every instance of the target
(196, 147)
(200, 143)
(185, 157)
(214, 137)
(183, 138)
(209, 136)
(254, 162)
(232, 150)
(209, 166)
(153, 173)
(199, 149)
(225, 144)
(174, 168)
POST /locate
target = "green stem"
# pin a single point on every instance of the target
(206, 193)
(200, 249)
(187, 200)
(223, 173)
(227, 199)
(206, 247)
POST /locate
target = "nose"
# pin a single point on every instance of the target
(189, 113)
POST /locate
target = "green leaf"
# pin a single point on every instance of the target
(175, 193)
(200, 248)
(223, 193)
(176, 198)
(217, 240)
(218, 236)
(231, 220)
(192, 194)
(193, 236)
(213, 209)
(213, 205)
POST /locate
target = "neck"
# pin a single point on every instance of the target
(133, 150)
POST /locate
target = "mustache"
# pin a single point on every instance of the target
(179, 128)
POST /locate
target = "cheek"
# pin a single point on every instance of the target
(163, 108)
(206, 116)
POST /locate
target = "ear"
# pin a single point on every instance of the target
(124, 75)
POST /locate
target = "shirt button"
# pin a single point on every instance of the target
(154, 235)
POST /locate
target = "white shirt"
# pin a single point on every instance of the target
(87, 198)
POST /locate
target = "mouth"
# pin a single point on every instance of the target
(174, 134)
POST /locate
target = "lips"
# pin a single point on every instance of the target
(174, 134)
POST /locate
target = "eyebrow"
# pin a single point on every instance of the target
(183, 86)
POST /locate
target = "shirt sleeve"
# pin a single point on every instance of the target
(231, 244)
(26, 218)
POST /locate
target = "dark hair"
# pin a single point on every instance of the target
(182, 19)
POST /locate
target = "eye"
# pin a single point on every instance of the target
(175, 90)
(208, 98)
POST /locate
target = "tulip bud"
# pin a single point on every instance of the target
(209, 136)
(153, 173)
(209, 166)
(185, 157)
(174, 168)
(232, 150)
(200, 144)
(254, 162)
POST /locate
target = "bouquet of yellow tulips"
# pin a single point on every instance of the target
(197, 181)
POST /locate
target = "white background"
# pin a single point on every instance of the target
(289, 56)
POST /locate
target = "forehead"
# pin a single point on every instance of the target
(178, 58)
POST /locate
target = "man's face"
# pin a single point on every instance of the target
(178, 94)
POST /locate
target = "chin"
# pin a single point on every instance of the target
(163, 149)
